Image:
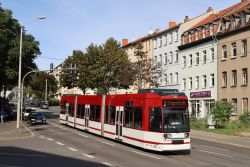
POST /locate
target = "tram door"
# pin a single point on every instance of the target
(67, 114)
(87, 112)
(119, 120)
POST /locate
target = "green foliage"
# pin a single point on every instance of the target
(245, 119)
(9, 50)
(53, 102)
(101, 67)
(38, 85)
(196, 123)
(221, 112)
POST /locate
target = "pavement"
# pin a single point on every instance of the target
(8, 131)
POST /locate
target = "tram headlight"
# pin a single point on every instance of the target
(186, 135)
(167, 135)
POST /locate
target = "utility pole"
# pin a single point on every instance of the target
(46, 91)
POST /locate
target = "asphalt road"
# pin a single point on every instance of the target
(63, 146)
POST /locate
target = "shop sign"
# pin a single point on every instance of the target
(200, 94)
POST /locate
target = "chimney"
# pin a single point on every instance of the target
(124, 42)
(171, 24)
(209, 9)
(186, 19)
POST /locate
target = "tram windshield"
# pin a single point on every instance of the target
(176, 120)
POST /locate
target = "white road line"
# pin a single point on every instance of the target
(89, 156)
(72, 149)
(210, 152)
(59, 143)
(49, 139)
(215, 148)
(108, 143)
(146, 155)
(83, 135)
(58, 126)
(106, 163)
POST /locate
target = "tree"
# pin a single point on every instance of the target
(147, 71)
(112, 67)
(38, 85)
(221, 113)
(9, 50)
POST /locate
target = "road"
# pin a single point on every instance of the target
(64, 146)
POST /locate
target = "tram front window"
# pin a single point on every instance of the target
(175, 120)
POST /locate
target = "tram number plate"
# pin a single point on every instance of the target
(178, 141)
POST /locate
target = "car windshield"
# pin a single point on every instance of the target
(176, 120)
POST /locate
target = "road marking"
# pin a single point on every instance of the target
(108, 143)
(215, 148)
(210, 152)
(72, 149)
(106, 163)
(49, 139)
(42, 137)
(146, 155)
(59, 143)
(89, 156)
(83, 135)
(59, 126)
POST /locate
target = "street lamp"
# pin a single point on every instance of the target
(20, 72)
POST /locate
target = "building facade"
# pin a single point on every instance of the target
(234, 59)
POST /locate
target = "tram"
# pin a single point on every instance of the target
(153, 120)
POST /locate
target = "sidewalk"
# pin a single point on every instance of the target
(219, 138)
(8, 131)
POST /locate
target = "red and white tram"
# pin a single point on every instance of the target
(154, 121)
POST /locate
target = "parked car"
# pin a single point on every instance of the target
(26, 113)
(44, 106)
(36, 118)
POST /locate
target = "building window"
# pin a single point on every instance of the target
(190, 60)
(176, 77)
(166, 40)
(184, 84)
(234, 78)
(155, 43)
(204, 57)
(171, 58)
(195, 108)
(167, 83)
(212, 54)
(203, 33)
(197, 82)
(166, 58)
(224, 78)
(171, 38)
(211, 80)
(155, 59)
(224, 51)
(197, 58)
(244, 104)
(160, 57)
(212, 29)
(244, 47)
(160, 42)
(234, 50)
(190, 83)
(171, 78)
(176, 56)
(196, 35)
(244, 76)
(234, 105)
(204, 81)
(184, 61)
(176, 36)
(190, 37)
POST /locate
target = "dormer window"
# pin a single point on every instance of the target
(243, 18)
(196, 35)
(211, 29)
(190, 37)
(203, 32)
(233, 23)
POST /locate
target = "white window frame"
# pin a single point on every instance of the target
(204, 56)
(224, 78)
(204, 81)
(224, 52)
(197, 82)
(244, 76)
(190, 60)
(212, 80)
(234, 77)
(234, 50)
(212, 55)
(197, 58)
(244, 47)
(190, 83)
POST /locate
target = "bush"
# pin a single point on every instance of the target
(245, 119)
(53, 102)
(196, 123)
(221, 113)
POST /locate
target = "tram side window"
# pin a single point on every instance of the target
(110, 115)
(94, 113)
(80, 111)
(155, 120)
(137, 118)
(71, 110)
(128, 117)
(63, 108)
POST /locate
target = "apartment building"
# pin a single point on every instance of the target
(234, 58)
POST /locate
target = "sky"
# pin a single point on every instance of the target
(75, 24)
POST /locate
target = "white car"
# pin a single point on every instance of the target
(27, 112)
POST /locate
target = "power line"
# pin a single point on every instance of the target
(52, 58)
